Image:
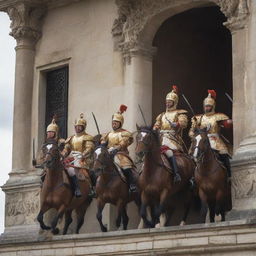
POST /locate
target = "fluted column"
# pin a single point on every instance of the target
(25, 28)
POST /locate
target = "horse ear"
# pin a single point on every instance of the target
(137, 127)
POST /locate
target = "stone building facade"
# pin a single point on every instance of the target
(109, 48)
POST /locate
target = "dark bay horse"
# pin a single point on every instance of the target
(211, 177)
(156, 182)
(110, 188)
(56, 192)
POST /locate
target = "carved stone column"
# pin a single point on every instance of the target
(22, 188)
(244, 160)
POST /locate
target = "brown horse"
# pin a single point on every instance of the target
(156, 182)
(56, 192)
(110, 188)
(211, 177)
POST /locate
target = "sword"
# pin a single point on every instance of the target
(144, 119)
(229, 97)
(189, 105)
(96, 123)
(34, 154)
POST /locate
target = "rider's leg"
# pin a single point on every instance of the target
(72, 175)
(92, 192)
(129, 177)
(225, 160)
(172, 160)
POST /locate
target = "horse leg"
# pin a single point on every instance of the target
(68, 221)
(60, 213)
(40, 217)
(80, 216)
(119, 213)
(143, 214)
(204, 205)
(125, 218)
(160, 209)
(100, 206)
(212, 211)
(187, 205)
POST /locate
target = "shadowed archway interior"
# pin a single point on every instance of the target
(194, 51)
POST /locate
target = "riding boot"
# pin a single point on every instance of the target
(77, 191)
(226, 162)
(92, 192)
(192, 183)
(174, 165)
(130, 180)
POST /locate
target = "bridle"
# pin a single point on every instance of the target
(103, 164)
(54, 158)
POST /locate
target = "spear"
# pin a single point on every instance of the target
(142, 114)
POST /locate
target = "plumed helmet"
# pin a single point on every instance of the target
(81, 121)
(210, 100)
(173, 95)
(118, 116)
(53, 127)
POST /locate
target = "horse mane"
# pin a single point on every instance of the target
(149, 129)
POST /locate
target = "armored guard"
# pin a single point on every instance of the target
(214, 122)
(171, 124)
(78, 150)
(118, 141)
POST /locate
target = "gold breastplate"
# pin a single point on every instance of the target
(77, 143)
(167, 118)
(210, 120)
(114, 139)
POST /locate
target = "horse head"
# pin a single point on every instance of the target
(200, 143)
(51, 153)
(145, 140)
(102, 159)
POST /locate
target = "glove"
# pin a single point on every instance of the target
(112, 151)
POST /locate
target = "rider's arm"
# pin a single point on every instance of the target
(67, 148)
(158, 122)
(182, 121)
(126, 140)
(104, 138)
(193, 126)
(89, 147)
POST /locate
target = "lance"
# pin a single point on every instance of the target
(96, 123)
(229, 97)
(189, 105)
(142, 114)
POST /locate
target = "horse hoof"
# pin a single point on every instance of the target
(55, 231)
(104, 229)
(158, 225)
(183, 223)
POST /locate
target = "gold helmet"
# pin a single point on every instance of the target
(81, 121)
(53, 127)
(119, 115)
(173, 95)
(210, 100)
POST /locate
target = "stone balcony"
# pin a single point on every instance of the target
(227, 238)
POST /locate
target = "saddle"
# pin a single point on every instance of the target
(121, 174)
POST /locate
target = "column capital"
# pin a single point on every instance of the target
(26, 22)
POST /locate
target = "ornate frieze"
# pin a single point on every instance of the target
(26, 21)
(133, 15)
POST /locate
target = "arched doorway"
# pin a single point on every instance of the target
(194, 51)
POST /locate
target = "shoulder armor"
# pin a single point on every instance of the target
(87, 137)
(160, 116)
(182, 111)
(126, 133)
(68, 139)
(197, 117)
(220, 117)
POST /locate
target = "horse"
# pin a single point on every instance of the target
(110, 188)
(56, 192)
(156, 181)
(210, 176)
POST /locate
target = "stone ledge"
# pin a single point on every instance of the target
(216, 239)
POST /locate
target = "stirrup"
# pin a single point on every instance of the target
(78, 193)
(92, 193)
(132, 188)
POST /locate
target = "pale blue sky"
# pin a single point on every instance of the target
(7, 65)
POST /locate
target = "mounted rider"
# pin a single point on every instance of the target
(117, 142)
(52, 135)
(214, 122)
(78, 152)
(171, 124)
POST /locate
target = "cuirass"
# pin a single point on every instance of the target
(114, 139)
(78, 143)
(212, 121)
(166, 118)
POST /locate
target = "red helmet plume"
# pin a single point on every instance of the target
(122, 108)
(213, 93)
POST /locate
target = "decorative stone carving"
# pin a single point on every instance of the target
(26, 21)
(244, 184)
(133, 15)
(21, 208)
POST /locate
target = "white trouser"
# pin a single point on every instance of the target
(169, 153)
(71, 171)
